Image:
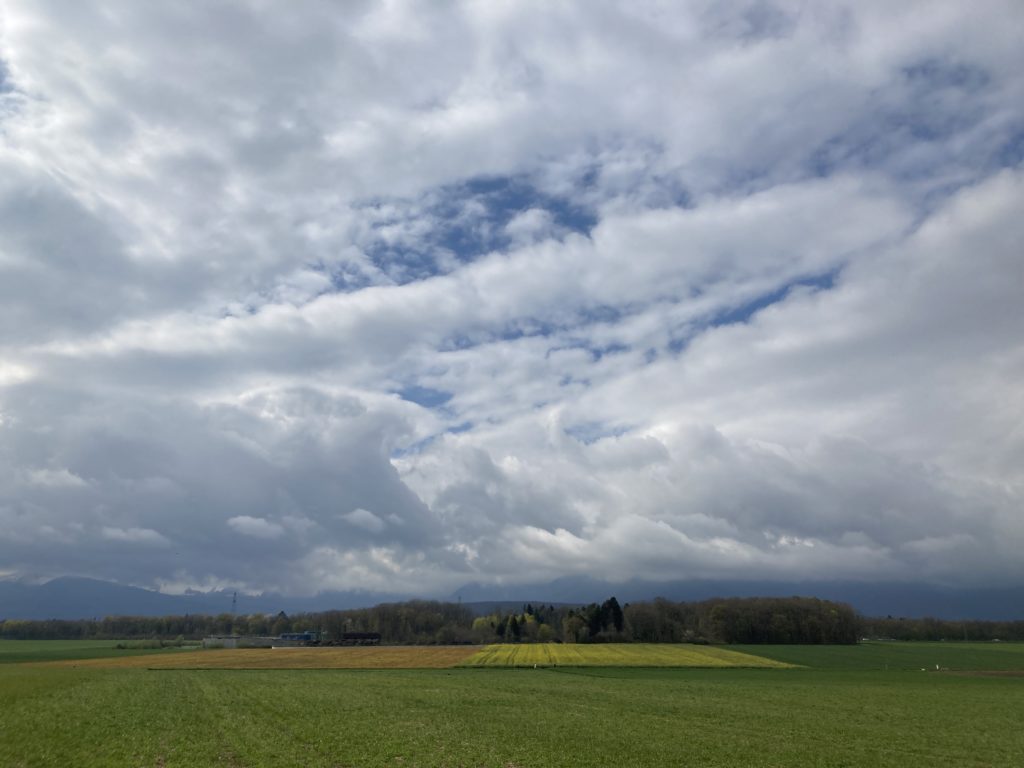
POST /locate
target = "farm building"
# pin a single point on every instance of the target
(289, 640)
(238, 641)
(360, 638)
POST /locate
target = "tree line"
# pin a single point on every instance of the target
(730, 620)
(890, 628)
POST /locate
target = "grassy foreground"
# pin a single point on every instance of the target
(842, 708)
(485, 717)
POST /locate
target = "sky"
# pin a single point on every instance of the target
(400, 296)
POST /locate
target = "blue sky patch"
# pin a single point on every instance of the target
(507, 196)
(609, 349)
(1011, 154)
(425, 396)
(936, 74)
(456, 224)
(927, 102)
(592, 431)
(743, 312)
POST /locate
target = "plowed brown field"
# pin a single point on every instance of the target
(385, 657)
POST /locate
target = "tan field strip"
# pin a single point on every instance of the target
(384, 657)
(617, 655)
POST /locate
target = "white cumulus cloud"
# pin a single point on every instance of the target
(401, 297)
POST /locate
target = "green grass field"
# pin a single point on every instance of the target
(836, 711)
(20, 651)
(893, 656)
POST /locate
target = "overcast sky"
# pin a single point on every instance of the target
(400, 296)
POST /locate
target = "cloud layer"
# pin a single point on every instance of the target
(394, 298)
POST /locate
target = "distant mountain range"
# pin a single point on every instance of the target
(79, 598)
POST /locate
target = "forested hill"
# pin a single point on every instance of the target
(732, 620)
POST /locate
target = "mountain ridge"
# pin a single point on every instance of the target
(84, 598)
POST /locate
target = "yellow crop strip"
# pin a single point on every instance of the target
(616, 655)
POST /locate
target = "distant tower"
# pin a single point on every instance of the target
(234, 603)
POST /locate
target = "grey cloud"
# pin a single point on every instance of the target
(57, 263)
(243, 490)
